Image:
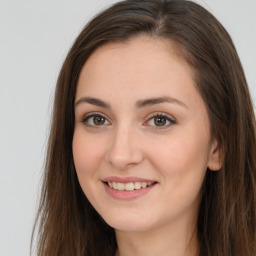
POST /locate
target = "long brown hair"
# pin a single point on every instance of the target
(68, 224)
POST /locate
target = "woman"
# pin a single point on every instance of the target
(152, 145)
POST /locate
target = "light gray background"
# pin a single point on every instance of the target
(34, 39)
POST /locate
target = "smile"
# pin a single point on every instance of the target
(127, 188)
(130, 186)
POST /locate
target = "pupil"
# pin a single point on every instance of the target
(160, 121)
(98, 120)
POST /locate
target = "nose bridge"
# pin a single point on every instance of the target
(124, 150)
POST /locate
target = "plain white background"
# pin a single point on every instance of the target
(34, 39)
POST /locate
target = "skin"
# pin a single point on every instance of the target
(128, 143)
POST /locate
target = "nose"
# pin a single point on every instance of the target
(124, 150)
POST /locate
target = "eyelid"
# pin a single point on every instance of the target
(171, 119)
(91, 114)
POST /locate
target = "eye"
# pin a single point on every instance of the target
(95, 120)
(160, 121)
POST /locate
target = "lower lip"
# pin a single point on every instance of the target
(127, 195)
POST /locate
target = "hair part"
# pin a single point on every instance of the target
(68, 224)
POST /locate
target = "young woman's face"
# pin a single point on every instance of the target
(141, 143)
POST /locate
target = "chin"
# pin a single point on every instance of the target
(129, 223)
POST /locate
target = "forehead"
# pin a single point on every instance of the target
(135, 45)
(145, 40)
(139, 61)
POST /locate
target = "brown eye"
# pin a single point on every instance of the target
(95, 120)
(99, 120)
(160, 121)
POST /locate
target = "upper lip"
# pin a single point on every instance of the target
(126, 179)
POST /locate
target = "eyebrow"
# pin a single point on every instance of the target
(153, 101)
(93, 101)
(139, 103)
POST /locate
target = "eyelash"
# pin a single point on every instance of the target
(161, 115)
(171, 121)
(91, 115)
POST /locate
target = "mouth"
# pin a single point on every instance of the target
(129, 186)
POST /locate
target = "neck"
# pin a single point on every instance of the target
(164, 241)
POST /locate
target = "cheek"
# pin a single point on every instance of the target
(178, 156)
(182, 160)
(87, 153)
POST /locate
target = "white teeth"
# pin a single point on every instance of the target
(114, 185)
(120, 186)
(144, 184)
(137, 185)
(130, 186)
